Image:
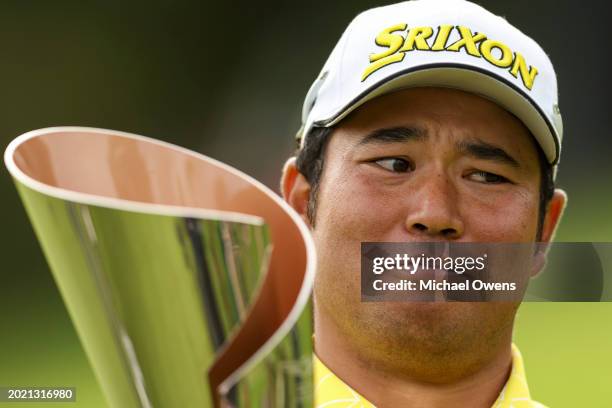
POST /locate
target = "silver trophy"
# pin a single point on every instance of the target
(188, 282)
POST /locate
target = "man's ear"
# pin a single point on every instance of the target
(295, 189)
(553, 215)
(555, 209)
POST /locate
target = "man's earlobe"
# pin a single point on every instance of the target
(553, 216)
(295, 188)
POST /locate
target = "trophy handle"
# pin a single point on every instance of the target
(283, 294)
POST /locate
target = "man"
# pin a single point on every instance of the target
(430, 121)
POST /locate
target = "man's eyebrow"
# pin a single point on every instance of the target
(486, 151)
(394, 135)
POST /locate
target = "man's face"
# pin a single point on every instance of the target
(424, 164)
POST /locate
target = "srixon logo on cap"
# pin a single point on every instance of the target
(475, 44)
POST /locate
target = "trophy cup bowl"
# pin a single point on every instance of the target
(188, 282)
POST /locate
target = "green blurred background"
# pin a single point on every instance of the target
(228, 79)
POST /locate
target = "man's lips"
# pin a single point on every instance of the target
(396, 275)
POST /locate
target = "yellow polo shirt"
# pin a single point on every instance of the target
(332, 392)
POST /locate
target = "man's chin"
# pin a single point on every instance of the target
(434, 338)
(437, 326)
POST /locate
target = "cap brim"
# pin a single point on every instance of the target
(470, 79)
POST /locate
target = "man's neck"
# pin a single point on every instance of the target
(385, 388)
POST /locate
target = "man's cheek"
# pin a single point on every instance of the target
(367, 215)
(514, 221)
(337, 282)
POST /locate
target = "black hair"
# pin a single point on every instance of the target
(310, 160)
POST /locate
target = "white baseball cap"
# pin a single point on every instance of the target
(441, 43)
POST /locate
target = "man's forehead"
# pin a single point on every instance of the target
(431, 102)
(445, 106)
(478, 127)
(471, 146)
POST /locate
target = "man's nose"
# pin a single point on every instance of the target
(434, 213)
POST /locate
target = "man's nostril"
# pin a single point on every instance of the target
(449, 232)
(420, 227)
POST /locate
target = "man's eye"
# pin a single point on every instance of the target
(486, 177)
(394, 164)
